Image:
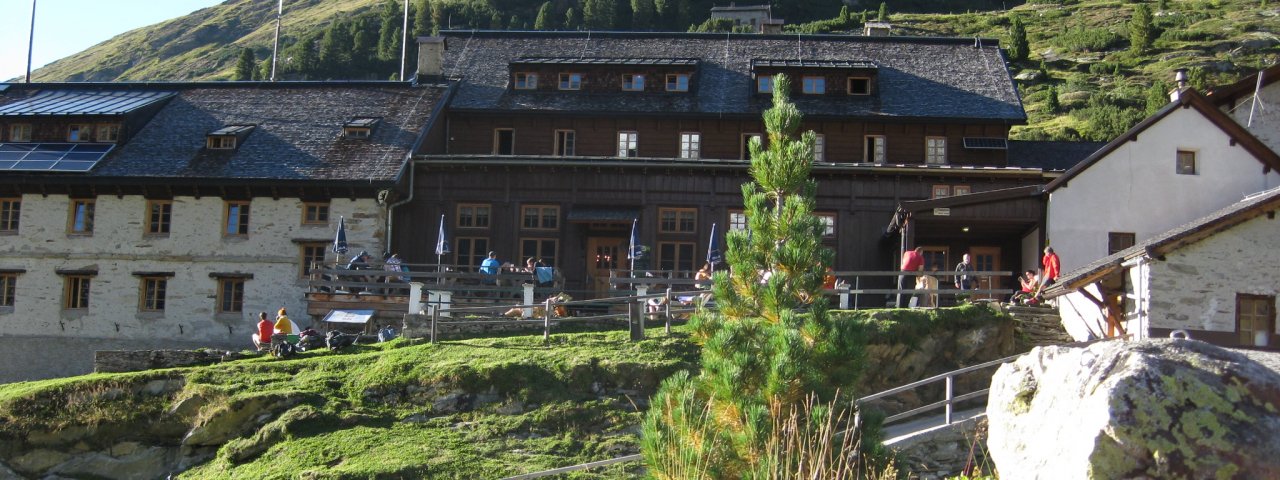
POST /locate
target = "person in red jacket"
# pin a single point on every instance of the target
(262, 339)
(912, 260)
(1051, 266)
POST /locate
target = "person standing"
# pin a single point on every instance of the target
(912, 261)
(964, 281)
(1050, 266)
(262, 339)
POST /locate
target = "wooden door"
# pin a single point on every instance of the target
(986, 259)
(604, 254)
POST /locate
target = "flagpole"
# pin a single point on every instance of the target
(404, 40)
(31, 40)
(276, 48)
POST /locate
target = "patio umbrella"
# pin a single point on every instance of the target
(634, 250)
(714, 255)
(340, 239)
(442, 247)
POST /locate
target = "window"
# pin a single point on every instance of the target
(935, 259)
(504, 141)
(236, 221)
(940, 191)
(829, 223)
(814, 85)
(10, 214)
(541, 217)
(1187, 162)
(678, 82)
(151, 295)
(75, 292)
(81, 219)
(526, 81)
(690, 144)
(359, 128)
(677, 220)
(538, 249)
(1117, 241)
(764, 84)
(935, 150)
(108, 132)
(677, 256)
(356, 133)
(746, 144)
(230, 295)
(632, 82)
(859, 86)
(20, 132)
(819, 148)
(220, 143)
(312, 257)
(1255, 314)
(79, 133)
(158, 214)
(961, 190)
(315, 213)
(565, 143)
(570, 81)
(875, 149)
(628, 144)
(473, 215)
(737, 220)
(471, 250)
(8, 288)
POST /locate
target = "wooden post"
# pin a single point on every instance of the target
(668, 327)
(546, 321)
(435, 314)
(635, 312)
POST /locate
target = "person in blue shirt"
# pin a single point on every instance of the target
(490, 267)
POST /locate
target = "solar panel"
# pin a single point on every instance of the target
(985, 143)
(52, 157)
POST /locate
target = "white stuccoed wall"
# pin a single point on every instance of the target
(1266, 116)
(194, 248)
(1135, 188)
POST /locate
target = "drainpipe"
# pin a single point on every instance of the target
(391, 208)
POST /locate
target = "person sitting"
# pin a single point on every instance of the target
(1030, 281)
(262, 338)
(285, 326)
(489, 267)
(700, 279)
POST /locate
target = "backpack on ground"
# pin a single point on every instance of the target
(387, 334)
(337, 340)
(310, 341)
(283, 350)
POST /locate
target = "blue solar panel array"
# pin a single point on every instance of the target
(83, 102)
(52, 157)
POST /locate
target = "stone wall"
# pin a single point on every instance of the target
(419, 326)
(943, 452)
(114, 361)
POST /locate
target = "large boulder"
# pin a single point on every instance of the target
(1142, 409)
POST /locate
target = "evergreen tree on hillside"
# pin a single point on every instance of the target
(1051, 103)
(1018, 47)
(364, 50)
(1141, 31)
(1157, 97)
(244, 66)
(598, 14)
(545, 20)
(664, 12)
(883, 15)
(335, 49)
(388, 28)
(770, 345)
(571, 20)
(642, 15)
(422, 25)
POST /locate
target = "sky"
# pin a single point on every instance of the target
(64, 27)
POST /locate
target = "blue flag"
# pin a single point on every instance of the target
(442, 245)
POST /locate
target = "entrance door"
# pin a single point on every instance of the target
(986, 259)
(604, 254)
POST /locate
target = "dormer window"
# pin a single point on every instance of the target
(526, 81)
(814, 85)
(764, 84)
(859, 86)
(359, 128)
(227, 138)
(678, 82)
(20, 132)
(632, 83)
(109, 132)
(570, 81)
(79, 133)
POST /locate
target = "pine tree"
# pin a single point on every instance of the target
(1141, 31)
(883, 16)
(544, 20)
(244, 66)
(642, 15)
(571, 20)
(388, 40)
(664, 14)
(770, 345)
(422, 25)
(598, 14)
(1018, 47)
(335, 49)
(1157, 97)
(1051, 103)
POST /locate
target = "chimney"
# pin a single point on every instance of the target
(877, 29)
(1179, 76)
(430, 57)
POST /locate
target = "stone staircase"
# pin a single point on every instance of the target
(1039, 325)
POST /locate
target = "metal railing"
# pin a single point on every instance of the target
(637, 306)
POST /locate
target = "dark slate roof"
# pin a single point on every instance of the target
(1050, 156)
(1185, 234)
(606, 61)
(297, 134)
(83, 102)
(806, 63)
(918, 78)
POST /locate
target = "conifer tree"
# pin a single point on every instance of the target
(770, 344)
(1157, 97)
(388, 40)
(598, 14)
(422, 25)
(1018, 47)
(1051, 102)
(244, 66)
(1141, 31)
(883, 15)
(571, 20)
(335, 49)
(642, 13)
(545, 20)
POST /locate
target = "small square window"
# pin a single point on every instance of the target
(628, 144)
(961, 190)
(677, 220)
(633, 83)
(935, 150)
(570, 81)
(540, 249)
(315, 213)
(828, 223)
(875, 149)
(820, 148)
(20, 132)
(79, 133)
(108, 133)
(81, 218)
(473, 215)
(690, 145)
(941, 191)
(565, 143)
(678, 82)
(220, 142)
(764, 84)
(159, 212)
(1187, 162)
(859, 86)
(737, 220)
(312, 257)
(1117, 241)
(541, 217)
(814, 85)
(236, 221)
(504, 141)
(526, 81)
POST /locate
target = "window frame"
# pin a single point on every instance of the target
(152, 293)
(76, 291)
(819, 148)
(14, 132)
(313, 211)
(829, 232)
(79, 133)
(497, 140)
(528, 82)
(628, 144)
(540, 244)
(935, 150)
(220, 142)
(731, 220)
(107, 133)
(765, 83)
(679, 220)
(230, 300)
(1270, 317)
(813, 85)
(1117, 241)
(306, 254)
(633, 82)
(243, 212)
(477, 255)
(8, 289)
(474, 215)
(566, 141)
(956, 190)
(540, 217)
(691, 145)
(153, 226)
(80, 220)
(679, 80)
(1183, 153)
(849, 83)
(678, 248)
(939, 191)
(10, 215)
(744, 141)
(570, 81)
(875, 149)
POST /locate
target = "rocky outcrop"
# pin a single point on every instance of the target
(1148, 409)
